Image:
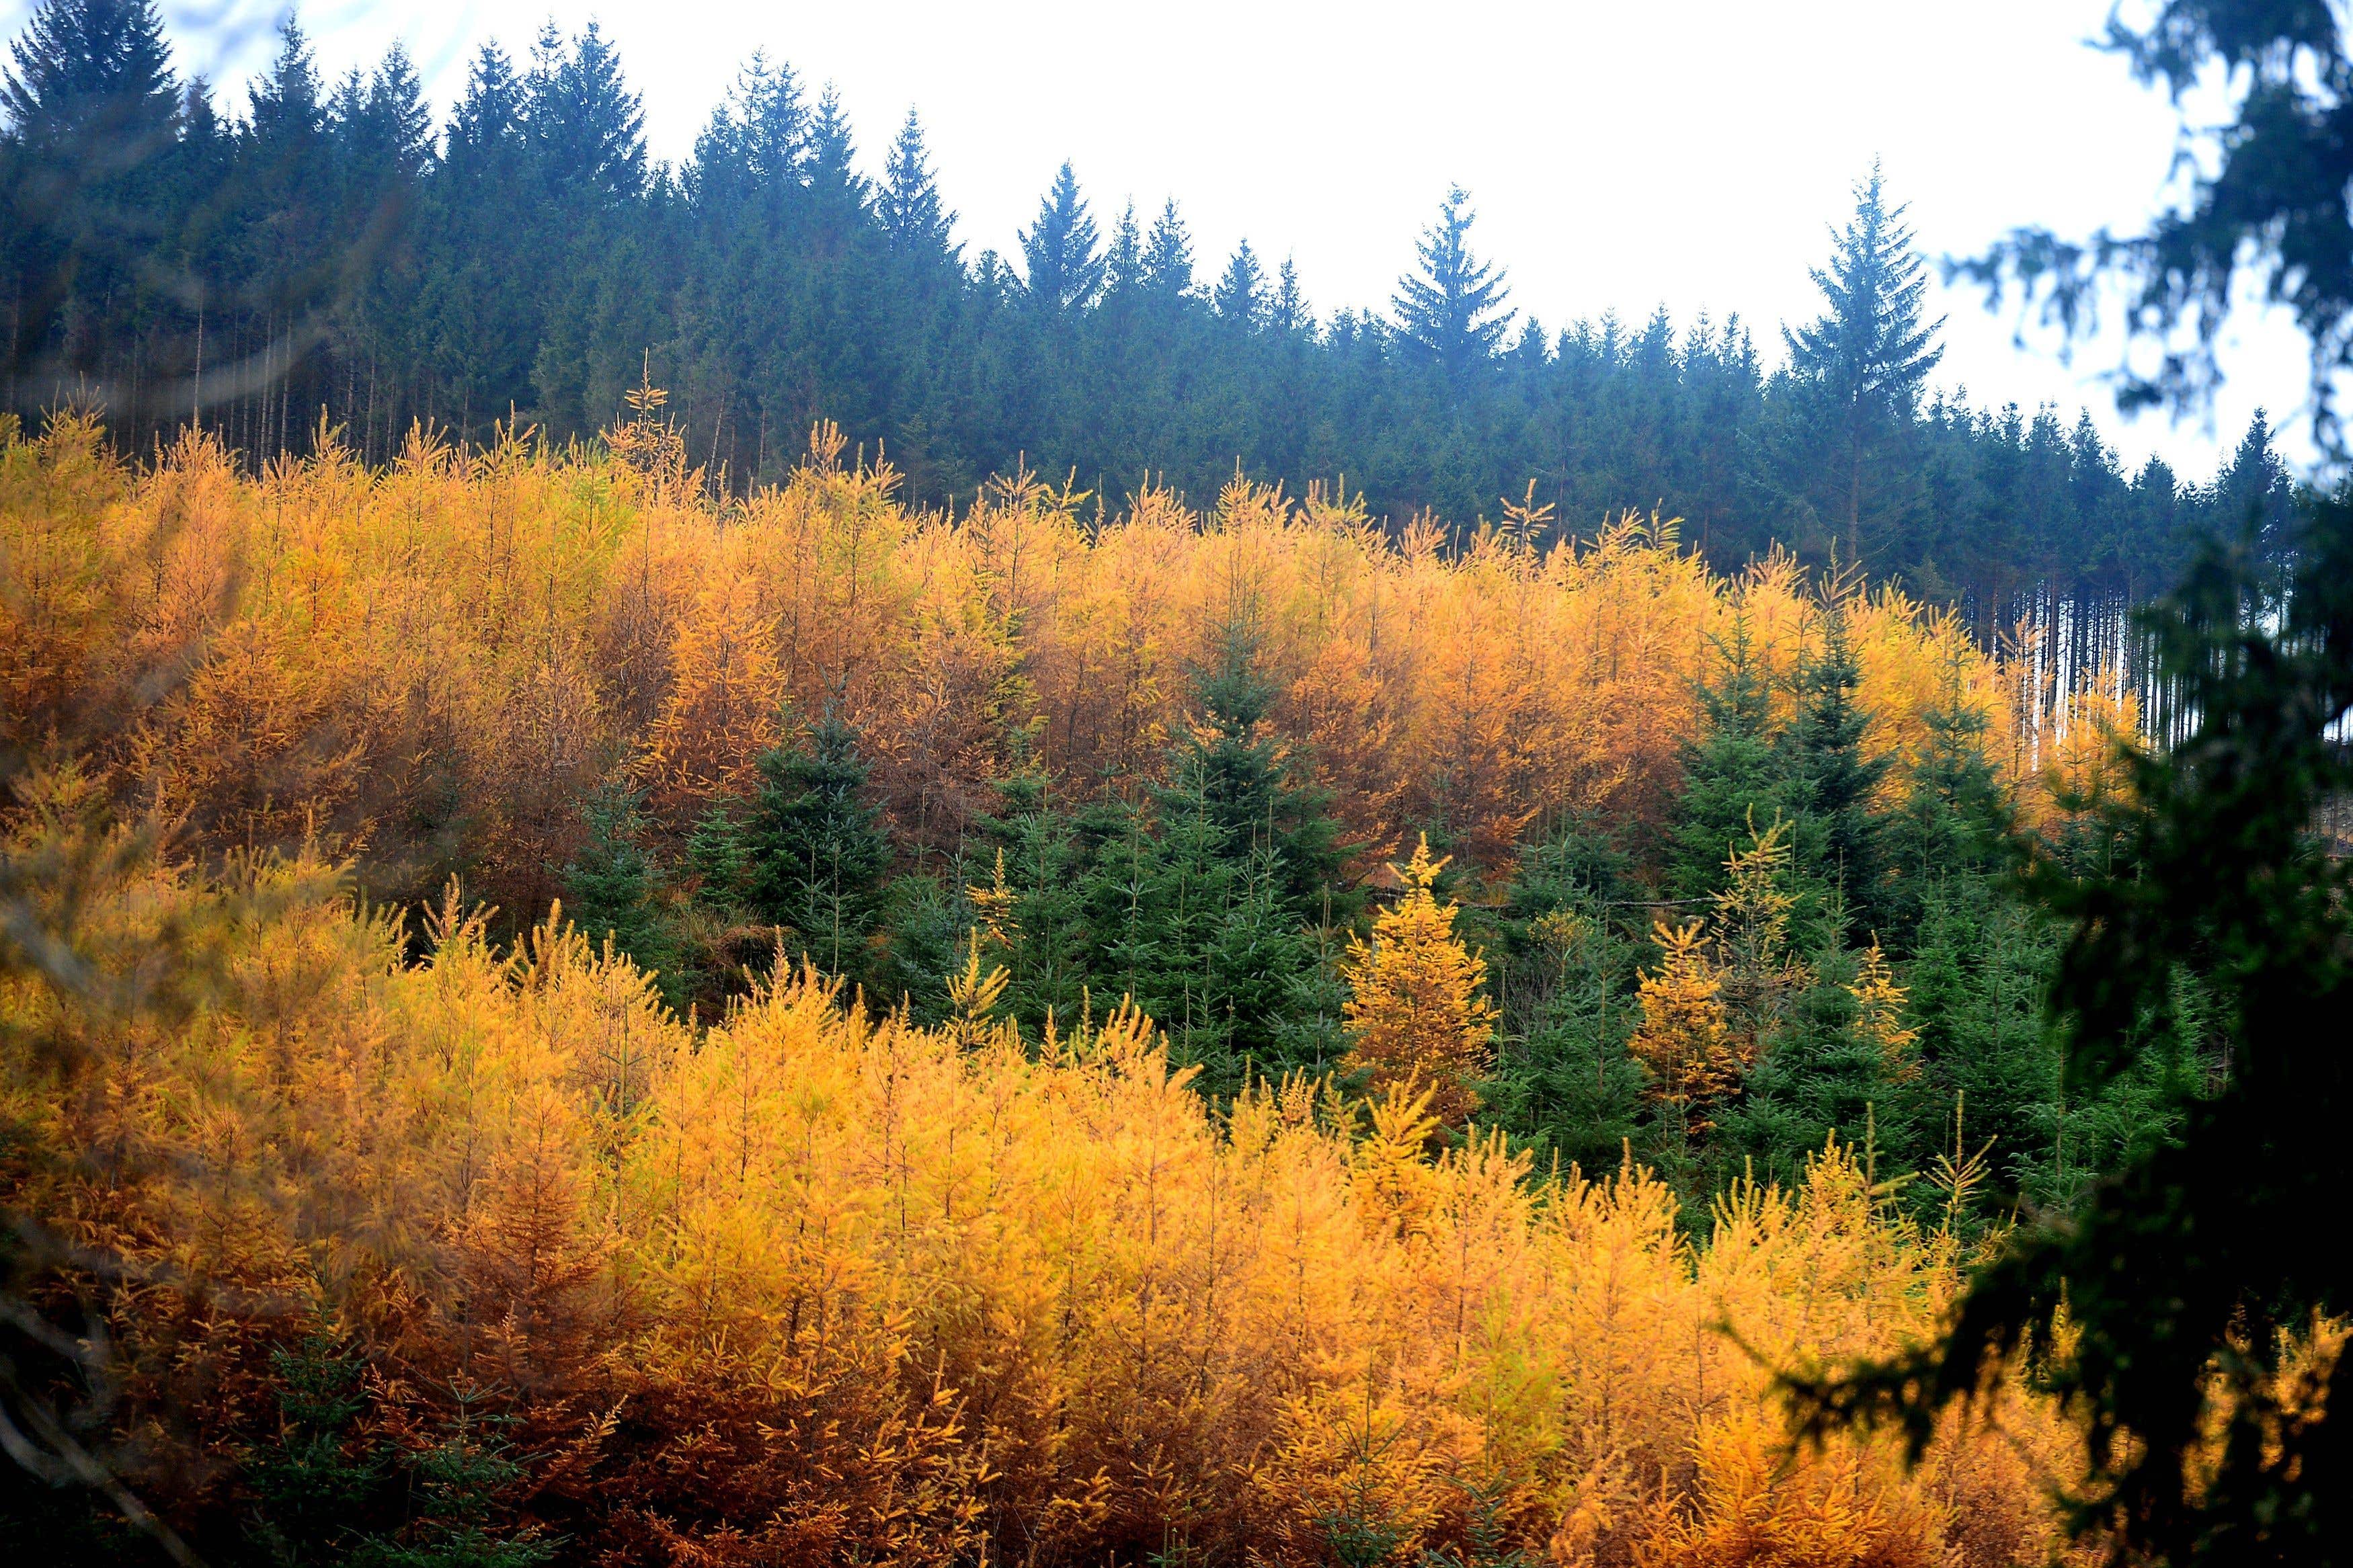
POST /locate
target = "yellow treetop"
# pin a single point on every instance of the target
(1879, 1015)
(1414, 1010)
(1685, 1040)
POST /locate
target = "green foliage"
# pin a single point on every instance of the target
(312, 257)
(1837, 832)
(816, 851)
(612, 885)
(1735, 774)
(2189, 1276)
(313, 1484)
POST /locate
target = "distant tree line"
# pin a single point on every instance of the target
(331, 255)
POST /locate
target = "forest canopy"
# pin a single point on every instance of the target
(332, 249)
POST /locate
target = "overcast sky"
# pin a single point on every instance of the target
(1684, 152)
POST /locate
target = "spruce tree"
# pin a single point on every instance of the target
(1452, 313)
(1861, 366)
(586, 128)
(1059, 250)
(914, 220)
(817, 850)
(2172, 1306)
(1736, 778)
(611, 884)
(89, 90)
(1834, 784)
(1168, 256)
(1239, 296)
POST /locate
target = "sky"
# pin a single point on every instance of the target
(1689, 153)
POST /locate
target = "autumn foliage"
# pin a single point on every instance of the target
(401, 1226)
(430, 663)
(1417, 1019)
(799, 1288)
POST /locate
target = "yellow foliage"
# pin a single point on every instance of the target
(1879, 1014)
(1415, 1015)
(437, 658)
(1685, 1039)
(804, 1288)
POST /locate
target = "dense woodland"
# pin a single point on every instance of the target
(513, 797)
(648, 915)
(310, 245)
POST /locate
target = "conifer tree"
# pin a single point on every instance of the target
(1415, 1015)
(2177, 1306)
(88, 92)
(1288, 312)
(612, 884)
(1062, 260)
(914, 220)
(1123, 258)
(1864, 362)
(817, 850)
(1168, 256)
(586, 128)
(1452, 312)
(1239, 296)
(1734, 777)
(1834, 780)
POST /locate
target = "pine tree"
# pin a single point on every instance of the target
(1863, 362)
(1415, 1015)
(1452, 314)
(1059, 250)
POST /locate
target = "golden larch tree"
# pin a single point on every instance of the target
(1685, 1038)
(1413, 1011)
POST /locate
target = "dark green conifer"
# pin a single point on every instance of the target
(817, 851)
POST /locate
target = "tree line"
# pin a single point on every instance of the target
(332, 253)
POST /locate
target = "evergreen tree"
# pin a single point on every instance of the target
(89, 98)
(1452, 313)
(1032, 899)
(913, 219)
(1059, 250)
(586, 128)
(1168, 256)
(89, 112)
(2174, 1305)
(1863, 362)
(611, 883)
(1736, 779)
(1238, 296)
(1287, 312)
(1839, 837)
(817, 850)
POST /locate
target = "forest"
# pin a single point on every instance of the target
(330, 248)
(1249, 859)
(766, 896)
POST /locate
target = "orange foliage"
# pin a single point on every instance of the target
(1415, 1015)
(801, 1287)
(436, 659)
